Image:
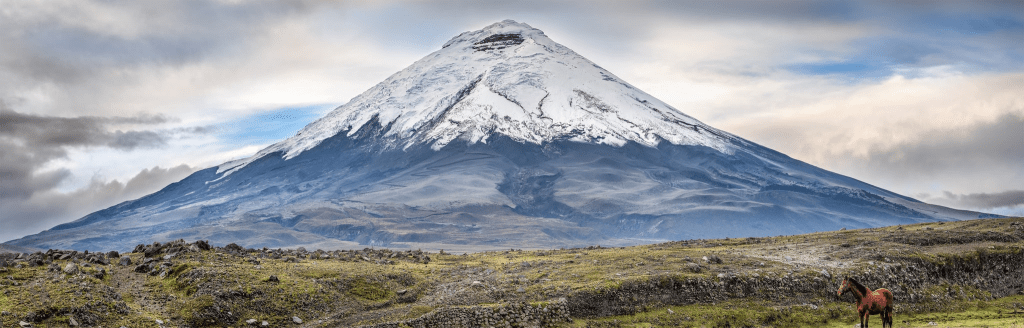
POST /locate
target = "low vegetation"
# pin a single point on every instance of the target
(953, 274)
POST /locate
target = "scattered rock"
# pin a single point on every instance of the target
(152, 250)
(159, 322)
(671, 312)
(125, 261)
(296, 320)
(264, 323)
(273, 279)
(693, 267)
(202, 245)
(71, 268)
(72, 322)
(250, 322)
(232, 247)
(100, 273)
(24, 324)
(143, 268)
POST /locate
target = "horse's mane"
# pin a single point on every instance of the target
(863, 290)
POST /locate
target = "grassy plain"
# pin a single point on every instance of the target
(696, 283)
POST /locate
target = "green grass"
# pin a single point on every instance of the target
(369, 291)
(5, 303)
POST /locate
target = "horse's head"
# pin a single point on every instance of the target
(843, 288)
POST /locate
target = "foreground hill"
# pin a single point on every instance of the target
(952, 273)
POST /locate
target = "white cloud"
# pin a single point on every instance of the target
(46, 209)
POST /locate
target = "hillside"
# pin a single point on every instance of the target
(952, 273)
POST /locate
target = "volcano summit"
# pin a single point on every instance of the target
(500, 139)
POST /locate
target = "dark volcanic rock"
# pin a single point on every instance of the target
(143, 268)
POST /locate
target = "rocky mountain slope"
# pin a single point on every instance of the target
(954, 273)
(503, 138)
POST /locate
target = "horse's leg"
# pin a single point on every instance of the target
(888, 315)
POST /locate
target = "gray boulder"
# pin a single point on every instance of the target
(143, 268)
(71, 268)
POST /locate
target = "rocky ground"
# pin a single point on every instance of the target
(935, 270)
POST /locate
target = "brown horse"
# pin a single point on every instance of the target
(869, 302)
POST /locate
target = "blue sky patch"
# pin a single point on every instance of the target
(270, 126)
(855, 70)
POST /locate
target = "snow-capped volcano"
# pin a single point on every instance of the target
(502, 138)
(507, 79)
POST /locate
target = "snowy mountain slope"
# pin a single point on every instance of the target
(524, 86)
(501, 139)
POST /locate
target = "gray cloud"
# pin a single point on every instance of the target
(1000, 142)
(49, 207)
(1011, 198)
(49, 131)
(45, 44)
(28, 142)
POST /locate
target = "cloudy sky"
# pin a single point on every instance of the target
(102, 102)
